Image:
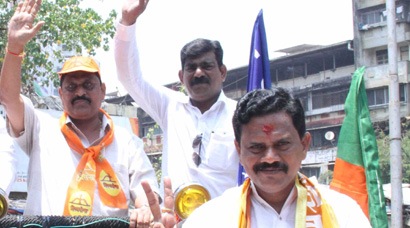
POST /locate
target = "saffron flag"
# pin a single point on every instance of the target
(259, 69)
(357, 172)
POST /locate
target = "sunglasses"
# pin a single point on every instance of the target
(196, 145)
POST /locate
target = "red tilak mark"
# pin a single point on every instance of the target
(267, 129)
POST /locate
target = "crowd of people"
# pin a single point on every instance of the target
(84, 165)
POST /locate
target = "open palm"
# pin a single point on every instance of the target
(21, 28)
(131, 10)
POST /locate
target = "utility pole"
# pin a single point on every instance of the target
(394, 120)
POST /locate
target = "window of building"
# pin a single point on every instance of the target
(284, 72)
(319, 139)
(314, 66)
(299, 70)
(404, 53)
(371, 96)
(329, 97)
(372, 17)
(382, 57)
(380, 96)
(311, 171)
(377, 96)
(402, 93)
(400, 13)
(304, 100)
(375, 16)
(330, 62)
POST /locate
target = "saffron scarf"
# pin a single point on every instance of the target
(92, 168)
(311, 209)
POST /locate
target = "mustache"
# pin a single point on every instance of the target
(80, 98)
(276, 165)
(199, 80)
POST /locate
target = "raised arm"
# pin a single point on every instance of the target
(149, 95)
(21, 29)
(131, 10)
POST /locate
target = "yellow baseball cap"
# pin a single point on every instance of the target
(80, 63)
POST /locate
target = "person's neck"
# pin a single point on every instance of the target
(205, 105)
(89, 127)
(277, 200)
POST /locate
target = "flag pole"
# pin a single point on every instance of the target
(394, 120)
(258, 69)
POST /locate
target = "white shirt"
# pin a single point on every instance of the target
(8, 161)
(181, 122)
(53, 163)
(224, 211)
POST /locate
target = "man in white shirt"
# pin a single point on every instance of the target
(272, 141)
(80, 164)
(198, 135)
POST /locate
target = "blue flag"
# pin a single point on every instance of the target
(259, 68)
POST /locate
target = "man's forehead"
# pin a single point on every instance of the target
(81, 76)
(206, 57)
(268, 128)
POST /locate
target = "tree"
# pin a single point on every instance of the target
(67, 27)
(383, 144)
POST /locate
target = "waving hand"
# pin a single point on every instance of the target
(21, 28)
(131, 10)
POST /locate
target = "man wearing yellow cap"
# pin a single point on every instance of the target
(80, 164)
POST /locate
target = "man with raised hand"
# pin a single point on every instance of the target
(80, 164)
(198, 137)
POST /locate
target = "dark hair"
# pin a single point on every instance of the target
(263, 102)
(200, 46)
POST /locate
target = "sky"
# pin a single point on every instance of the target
(166, 25)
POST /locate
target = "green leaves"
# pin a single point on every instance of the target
(67, 29)
(383, 144)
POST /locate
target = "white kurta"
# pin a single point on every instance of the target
(224, 211)
(53, 163)
(181, 123)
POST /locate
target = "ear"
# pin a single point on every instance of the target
(103, 88)
(224, 72)
(238, 147)
(181, 76)
(306, 143)
(60, 92)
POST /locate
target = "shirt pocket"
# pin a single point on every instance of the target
(220, 151)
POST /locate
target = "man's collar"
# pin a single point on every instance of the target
(291, 198)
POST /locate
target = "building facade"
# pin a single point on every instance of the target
(320, 77)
